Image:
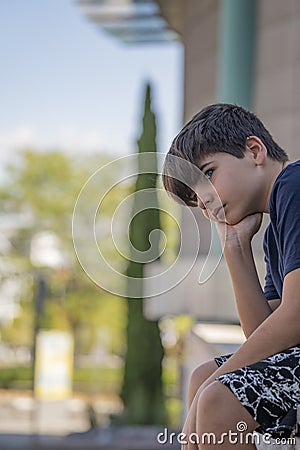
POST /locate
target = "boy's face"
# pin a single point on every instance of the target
(235, 189)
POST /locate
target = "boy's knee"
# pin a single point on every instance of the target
(199, 376)
(209, 399)
(212, 409)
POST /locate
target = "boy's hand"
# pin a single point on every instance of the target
(240, 234)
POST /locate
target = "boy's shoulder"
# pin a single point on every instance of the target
(286, 185)
(290, 175)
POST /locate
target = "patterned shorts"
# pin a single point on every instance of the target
(269, 390)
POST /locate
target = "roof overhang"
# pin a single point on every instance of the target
(135, 21)
(172, 11)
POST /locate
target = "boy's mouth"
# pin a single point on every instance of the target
(219, 213)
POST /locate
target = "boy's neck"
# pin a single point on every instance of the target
(274, 169)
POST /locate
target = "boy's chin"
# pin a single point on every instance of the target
(233, 222)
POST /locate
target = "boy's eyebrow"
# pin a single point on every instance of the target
(204, 165)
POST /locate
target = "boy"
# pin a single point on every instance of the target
(249, 174)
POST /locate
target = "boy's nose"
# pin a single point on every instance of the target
(202, 203)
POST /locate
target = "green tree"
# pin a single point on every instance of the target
(41, 191)
(142, 391)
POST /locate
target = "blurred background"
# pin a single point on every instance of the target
(84, 82)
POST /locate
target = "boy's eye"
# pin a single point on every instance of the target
(208, 173)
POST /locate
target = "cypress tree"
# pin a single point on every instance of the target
(142, 391)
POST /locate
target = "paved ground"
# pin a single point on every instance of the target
(21, 413)
(27, 424)
(127, 438)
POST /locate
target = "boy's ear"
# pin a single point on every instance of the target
(257, 149)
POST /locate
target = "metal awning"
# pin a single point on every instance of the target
(132, 21)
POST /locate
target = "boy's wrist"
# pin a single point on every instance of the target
(237, 247)
(238, 237)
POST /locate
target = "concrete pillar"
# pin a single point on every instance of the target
(237, 51)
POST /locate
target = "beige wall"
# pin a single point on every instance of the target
(200, 38)
(199, 34)
(277, 73)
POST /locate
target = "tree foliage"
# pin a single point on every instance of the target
(40, 192)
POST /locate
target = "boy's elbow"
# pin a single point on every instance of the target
(289, 318)
(274, 303)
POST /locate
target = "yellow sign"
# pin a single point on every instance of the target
(53, 365)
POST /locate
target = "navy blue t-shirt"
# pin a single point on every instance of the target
(282, 236)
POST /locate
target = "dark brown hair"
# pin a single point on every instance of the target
(216, 128)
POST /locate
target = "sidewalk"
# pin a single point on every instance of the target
(26, 424)
(113, 438)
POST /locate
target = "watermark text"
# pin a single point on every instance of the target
(238, 436)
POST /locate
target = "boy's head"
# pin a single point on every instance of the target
(221, 132)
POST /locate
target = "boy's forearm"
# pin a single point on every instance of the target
(252, 306)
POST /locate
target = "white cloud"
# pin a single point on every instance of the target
(68, 138)
(21, 136)
(13, 140)
(72, 139)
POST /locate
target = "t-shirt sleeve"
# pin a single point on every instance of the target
(269, 289)
(287, 205)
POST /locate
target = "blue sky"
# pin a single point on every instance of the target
(66, 84)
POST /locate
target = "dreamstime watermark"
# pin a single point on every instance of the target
(93, 232)
(236, 437)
